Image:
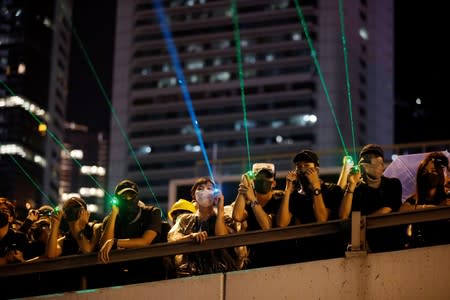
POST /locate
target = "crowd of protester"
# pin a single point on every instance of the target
(47, 233)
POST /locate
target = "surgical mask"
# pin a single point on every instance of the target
(432, 179)
(205, 198)
(3, 219)
(263, 186)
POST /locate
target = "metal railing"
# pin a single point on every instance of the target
(232, 240)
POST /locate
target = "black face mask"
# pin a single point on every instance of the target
(128, 208)
(263, 186)
(432, 179)
(3, 219)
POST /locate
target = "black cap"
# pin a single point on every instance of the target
(307, 156)
(125, 185)
(372, 149)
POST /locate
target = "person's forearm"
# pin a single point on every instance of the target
(220, 228)
(52, 244)
(283, 215)
(263, 219)
(320, 210)
(239, 207)
(108, 233)
(346, 205)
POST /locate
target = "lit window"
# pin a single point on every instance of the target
(40, 160)
(277, 124)
(303, 120)
(47, 22)
(250, 59)
(67, 196)
(42, 129)
(77, 154)
(221, 76)
(296, 36)
(93, 170)
(192, 148)
(239, 125)
(195, 64)
(270, 57)
(144, 150)
(363, 33)
(21, 69)
(279, 139)
(91, 192)
(93, 208)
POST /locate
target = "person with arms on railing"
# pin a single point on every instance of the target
(308, 199)
(430, 192)
(131, 224)
(371, 193)
(255, 207)
(82, 236)
(12, 243)
(208, 220)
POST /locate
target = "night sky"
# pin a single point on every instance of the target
(419, 68)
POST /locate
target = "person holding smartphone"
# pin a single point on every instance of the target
(208, 220)
(307, 197)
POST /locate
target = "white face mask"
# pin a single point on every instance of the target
(205, 198)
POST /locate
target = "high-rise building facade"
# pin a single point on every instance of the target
(87, 180)
(287, 106)
(35, 41)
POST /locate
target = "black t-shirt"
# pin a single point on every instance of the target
(368, 200)
(147, 218)
(271, 208)
(301, 205)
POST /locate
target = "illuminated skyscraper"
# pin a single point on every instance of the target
(91, 151)
(287, 108)
(34, 62)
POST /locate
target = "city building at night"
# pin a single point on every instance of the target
(34, 62)
(287, 108)
(87, 181)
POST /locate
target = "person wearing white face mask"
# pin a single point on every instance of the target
(208, 220)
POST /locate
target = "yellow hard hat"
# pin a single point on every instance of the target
(181, 204)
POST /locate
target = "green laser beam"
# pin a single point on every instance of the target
(347, 76)
(56, 139)
(237, 40)
(113, 111)
(32, 180)
(319, 71)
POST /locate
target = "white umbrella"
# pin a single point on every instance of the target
(404, 167)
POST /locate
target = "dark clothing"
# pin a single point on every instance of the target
(271, 208)
(148, 218)
(267, 254)
(368, 200)
(13, 240)
(70, 244)
(206, 262)
(302, 210)
(301, 205)
(34, 249)
(428, 233)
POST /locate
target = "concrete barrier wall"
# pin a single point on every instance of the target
(422, 273)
